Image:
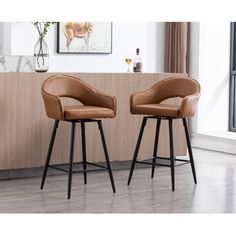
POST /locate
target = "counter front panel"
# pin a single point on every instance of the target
(26, 130)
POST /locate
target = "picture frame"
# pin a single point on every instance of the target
(84, 37)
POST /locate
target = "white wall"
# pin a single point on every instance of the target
(5, 35)
(149, 37)
(211, 59)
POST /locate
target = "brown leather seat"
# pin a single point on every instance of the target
(157, 109)
(85, 112)
(150, 101)
(95, 104)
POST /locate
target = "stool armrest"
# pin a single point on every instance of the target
(100, 99)
(140, 98)
(53, 106)
(189, 105)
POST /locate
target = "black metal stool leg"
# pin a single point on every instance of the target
(172, 161)
(155, 146)
(189, 150)
(84, 150)
(137, 149)
(49, 154)
(106, 155)
(71, 158)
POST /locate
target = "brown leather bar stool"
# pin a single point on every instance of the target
(95, 105)
(150, 103)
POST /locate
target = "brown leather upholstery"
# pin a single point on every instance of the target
(149, 101)
(95, 104)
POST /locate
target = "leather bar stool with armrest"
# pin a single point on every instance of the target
(95, 105)
(150, 103)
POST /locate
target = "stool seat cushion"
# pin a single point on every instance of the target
(157, 110)
(76, 112)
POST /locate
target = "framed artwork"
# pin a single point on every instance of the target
(84, 37)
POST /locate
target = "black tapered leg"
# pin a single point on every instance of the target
(72, 141)
(155, 146)
(49, 154)
(189, 150)
(84, 150)
(137, 149)
(106, 155)
(172, 161)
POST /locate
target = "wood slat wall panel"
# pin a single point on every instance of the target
(25, 129)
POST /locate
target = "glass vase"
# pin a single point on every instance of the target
(41, 56)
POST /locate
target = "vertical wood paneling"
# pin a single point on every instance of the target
(25, 129)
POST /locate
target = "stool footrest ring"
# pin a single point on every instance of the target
(145, 161)
(57, 167)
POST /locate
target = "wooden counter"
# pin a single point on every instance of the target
(25, 129)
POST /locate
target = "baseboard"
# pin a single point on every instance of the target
(214, 143)
(36, 172)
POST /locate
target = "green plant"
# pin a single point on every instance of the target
(43, 27)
